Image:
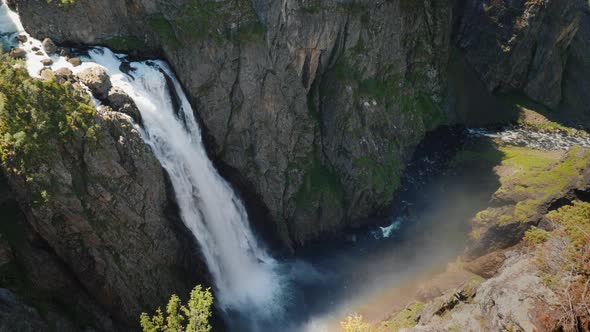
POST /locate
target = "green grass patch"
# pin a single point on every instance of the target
(526, 158)
(405, 319)
(535, 177)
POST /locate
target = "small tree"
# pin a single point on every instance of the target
(355, 323)
(195, 314)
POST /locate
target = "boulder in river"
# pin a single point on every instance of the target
(63, 74)
(75, 62)
(18, 53)
(64, 52)
(121, 102)
(22, 38)
(49, 46)
(47, 62)
(97, 80)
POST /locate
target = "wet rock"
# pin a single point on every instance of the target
(121, 102)
(18, 53)
(97, 80)
(75, 61)
(49, 46)
(22, 38)
(47, 62)
(39, 53)
(35, 49)
(64, 52)
(63, 75)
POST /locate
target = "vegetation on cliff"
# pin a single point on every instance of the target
(35, 114)
(563, 258)
(530, 182)
(202, 19)
(192, 317)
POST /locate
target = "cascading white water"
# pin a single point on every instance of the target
(244, 274)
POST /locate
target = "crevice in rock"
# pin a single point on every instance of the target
(575, 195)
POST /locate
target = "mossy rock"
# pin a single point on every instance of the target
(407, 318)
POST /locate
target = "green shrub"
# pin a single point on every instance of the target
(63, 2)
(536, 236)
(574, 220)
(355, 323)
(36, 114)
(192, 317)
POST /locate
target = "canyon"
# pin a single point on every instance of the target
(313, 111)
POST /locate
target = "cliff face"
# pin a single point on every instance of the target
(524, 46)
(313, 106)
(95, 227)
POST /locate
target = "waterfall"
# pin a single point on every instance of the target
(243, 272)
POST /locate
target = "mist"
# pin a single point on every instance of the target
(385, 266)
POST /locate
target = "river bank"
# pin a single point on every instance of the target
(539, 173)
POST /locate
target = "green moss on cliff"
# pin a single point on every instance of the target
(393, 90)
(320, 184)
(35, 114)
(226, 20)
(124, 43)
(405, 319)
(164, 29)
(383, 178)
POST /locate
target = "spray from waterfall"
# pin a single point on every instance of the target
(245, 275)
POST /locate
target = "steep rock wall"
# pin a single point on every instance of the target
(312, 106)
(99, 230)
(523, 46)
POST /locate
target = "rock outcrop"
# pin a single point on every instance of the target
(98, 227)
(510, 300)
(529, 190)
(97, 80)
(310, 106)
(522, 46)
